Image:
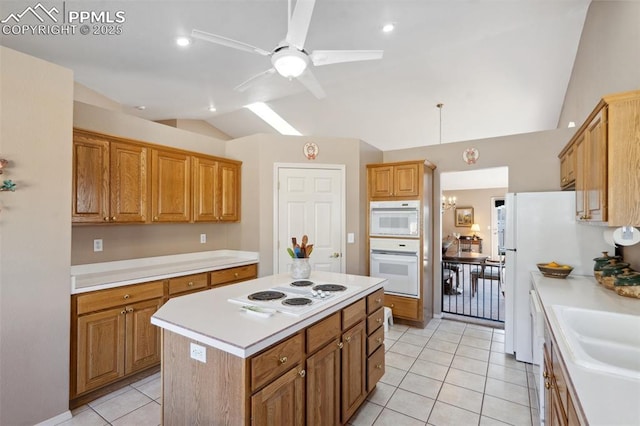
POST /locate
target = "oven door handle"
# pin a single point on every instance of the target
(395, 257)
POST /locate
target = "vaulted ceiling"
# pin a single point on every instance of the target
(498, 67)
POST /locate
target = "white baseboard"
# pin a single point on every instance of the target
(57, 419)
(437, 316)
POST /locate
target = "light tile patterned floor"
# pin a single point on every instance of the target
(450, 373)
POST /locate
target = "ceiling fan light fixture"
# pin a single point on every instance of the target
(183, 41)
(290, 63)
(387, 28)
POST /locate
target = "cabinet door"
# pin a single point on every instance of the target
(142, 337)
(282, 402)
(229, 192)
(90, 179)
(405, 181)
(204, 189)
(323, 386)
(170, 186)
(128, 182)
(354, 369)
(567, 168)
(596, 169)
(402, 307)
(100, 346)
(581, 186)
(381, 181)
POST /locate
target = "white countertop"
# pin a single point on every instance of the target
(209, 318)
(606, 399)
(98, 276)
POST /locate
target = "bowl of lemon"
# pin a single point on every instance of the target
(554, 269)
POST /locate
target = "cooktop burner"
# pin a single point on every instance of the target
(330, 287)
(267, 295)
(297, 301)
(302, 283)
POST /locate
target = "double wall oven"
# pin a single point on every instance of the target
(394, 244)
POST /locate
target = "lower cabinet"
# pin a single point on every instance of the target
(402, 307)
(111, 332)
(319, 376)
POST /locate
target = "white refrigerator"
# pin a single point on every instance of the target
(540, 228)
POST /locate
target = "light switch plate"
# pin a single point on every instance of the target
(351, 238)
(203, 238)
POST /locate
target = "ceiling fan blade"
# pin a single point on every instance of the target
(299, 23)
(253, 80)
(327, 57)
(234, 44)
(312, 84)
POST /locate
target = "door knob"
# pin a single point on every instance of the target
(334, 255)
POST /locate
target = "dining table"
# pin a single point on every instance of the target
(465, 257)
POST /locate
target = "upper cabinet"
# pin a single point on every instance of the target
(170, 186)
(400, 180)
(216, 190)
(121, 181)
(606, 153)
(109, 180)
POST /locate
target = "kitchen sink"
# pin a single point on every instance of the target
(599, 340)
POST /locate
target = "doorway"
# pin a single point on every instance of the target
(310, 200)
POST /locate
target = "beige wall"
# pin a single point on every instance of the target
(88, 96)
(197, 126)
(259, 153)
(36, 101)
(133, 241)
(608, 58)
(480, 200)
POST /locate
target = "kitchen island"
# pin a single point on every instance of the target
(596, 397)
(224, 364)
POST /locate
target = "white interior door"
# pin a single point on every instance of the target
(310, 201)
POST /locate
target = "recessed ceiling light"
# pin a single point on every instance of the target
(183, 41)
(140, 107)
(212, 109)
(572, 124)
(263, 111)
(387, 28)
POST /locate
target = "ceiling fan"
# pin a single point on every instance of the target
(289, 58)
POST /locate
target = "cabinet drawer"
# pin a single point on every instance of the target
(187, 283)
(403, 307)
(323, 332)
(230, 275)
(375, 300)
(273, 362)
(375, 320)
(103, 299)
(375, 340)
(353, 314)
(375, 368)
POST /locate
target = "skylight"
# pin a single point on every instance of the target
(263, 111)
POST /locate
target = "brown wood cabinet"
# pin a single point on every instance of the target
(109, 180)
(318, 376)
(116, 180)
(568, 167)
(402, 307)
(216, 190)
(112, 335)
(561, 407)
(398, 180)
(606, 149)
(170, 186)
(111, 332)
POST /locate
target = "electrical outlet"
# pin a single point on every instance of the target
(97, 245)
(199, 353)
(203, 238)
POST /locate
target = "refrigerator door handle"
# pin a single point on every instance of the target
(511, 249)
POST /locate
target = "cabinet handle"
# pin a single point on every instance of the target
(302, 373)
(392, 305)
(123, 312)
(283, 360)
(547, 384)
(545, 374)
(379, 366)
(106, 218)
(378, 300)
(126, 296)
(113, 218)
(236, 275)
(379, 320)
(129, 310)
(155, 218)
(190, 284)
(379, 340)
(340, 345)
(348, 339)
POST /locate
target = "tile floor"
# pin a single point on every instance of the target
(450, 373)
